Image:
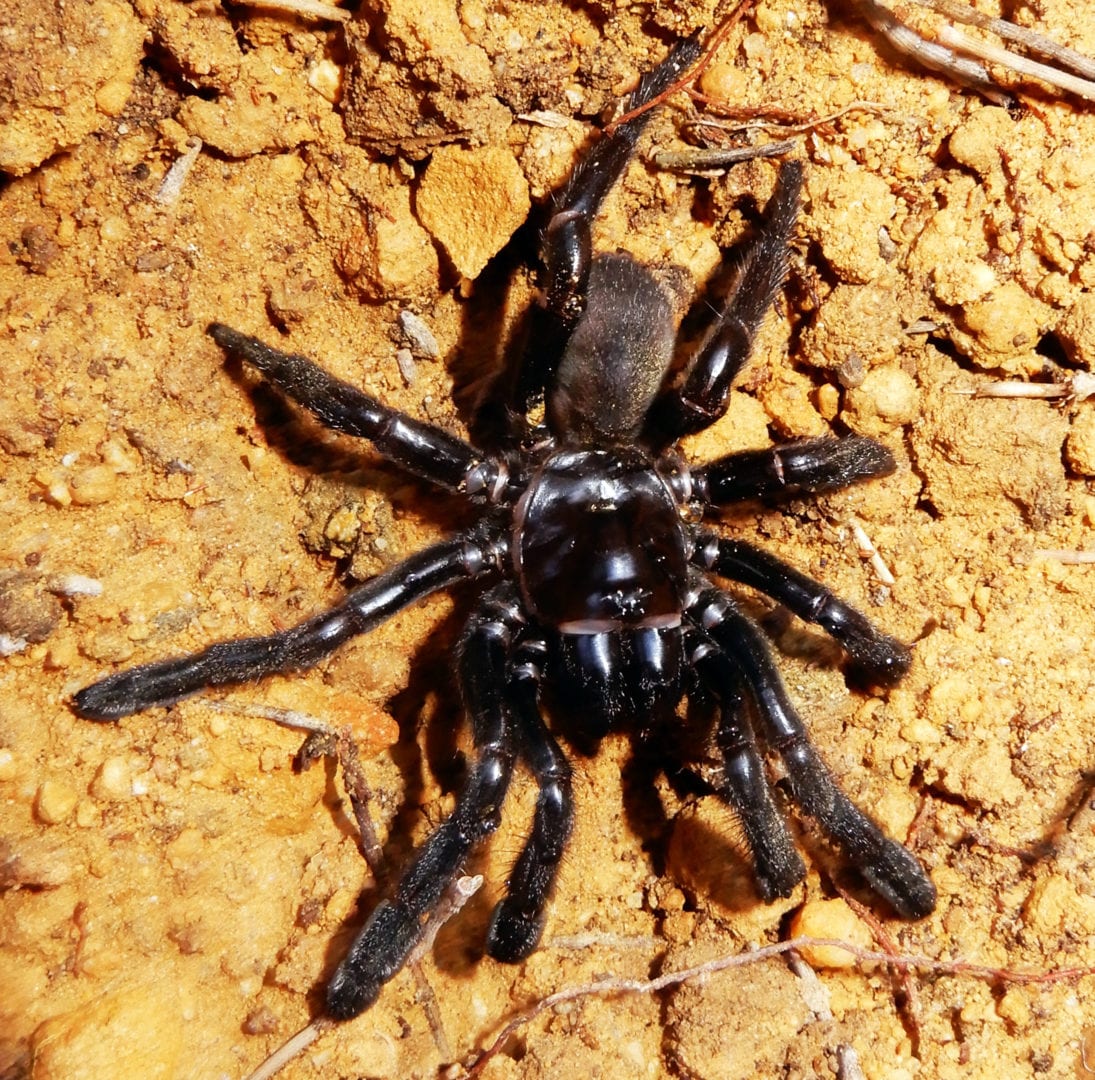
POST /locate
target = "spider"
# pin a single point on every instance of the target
(594, 571)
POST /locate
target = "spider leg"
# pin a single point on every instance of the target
(778, 867)
(882, 657)
(889, 868)
(701, 396)
(166, 681)
(420, 448)
(814, 466)
(518, 918)
(567, 243)
(382, 946)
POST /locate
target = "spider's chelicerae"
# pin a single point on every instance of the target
(595, 581)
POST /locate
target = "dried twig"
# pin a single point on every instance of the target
(930, 54)
(1034, 42)
(317, 9)
(1078, 386)
(1069, 558)
(814, 992)
(951, 51)
(903, 974)
(985, 50)
(357, 787)
(454, 898)
(324, 741)
(868, 551)
(775, 117)
(901, 961)
(290, 1049)
(289, 718)
(716, 159)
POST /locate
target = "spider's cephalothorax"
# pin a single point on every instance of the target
(594, 576)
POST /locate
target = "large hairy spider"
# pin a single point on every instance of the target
(595, 583)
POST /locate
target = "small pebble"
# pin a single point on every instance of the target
(74, 585)
(405, 362)
(113, 780)
(887, 397)
(1080, 445)
(325, 77)
(54, 802)
(11, 646)
(830, 919)
(419, 335)
(93, 486)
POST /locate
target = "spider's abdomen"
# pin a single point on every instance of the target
(599, 545)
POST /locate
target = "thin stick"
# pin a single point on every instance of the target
(458, 894)
(315, 8)
(814, 992)
(930, 54)
(455, 897)
(289, 718)
(905, 975)
(1009, 31)
(868, 551)
(785, 121)
(290, 1049)
(1076, 387)
(1013, 388)
(955, 39)
(357, 787)
(611, 986)
(1069, 558)
(718, 158)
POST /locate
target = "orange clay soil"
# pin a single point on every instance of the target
(174, 895)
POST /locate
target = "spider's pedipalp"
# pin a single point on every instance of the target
(616, 358)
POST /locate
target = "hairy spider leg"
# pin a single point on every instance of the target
(396, 925)
(777, 866)
(166, 681)
(567, 242)
(699, 398)
(890, 870)
(420, 448)
(804, 466)
(518, 919)
(882, 657)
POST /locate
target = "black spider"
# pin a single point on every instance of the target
(594, 577)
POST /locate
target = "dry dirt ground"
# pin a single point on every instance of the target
(174, 894)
